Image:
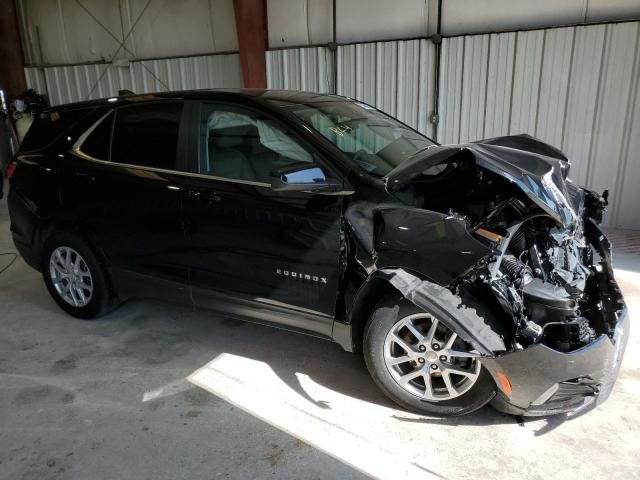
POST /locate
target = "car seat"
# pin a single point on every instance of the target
(229, 152)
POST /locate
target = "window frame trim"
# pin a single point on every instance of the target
(180, 138)
(192, 110)
(76, 149)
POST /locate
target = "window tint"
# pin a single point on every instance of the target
(242, 145)
(147, 135)
(48, 126)
(97, 144)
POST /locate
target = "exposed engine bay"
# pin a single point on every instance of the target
(494, 237)
(541, 270)
(542, 276)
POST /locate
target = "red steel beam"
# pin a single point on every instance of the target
(251, 26)
(12, 79)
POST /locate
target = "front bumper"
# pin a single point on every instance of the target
(545, 381)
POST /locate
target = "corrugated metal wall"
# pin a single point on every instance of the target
(80, 82)
(307, 68)
(389, 75)
(36, 80)
(397, 77)
(574, 87)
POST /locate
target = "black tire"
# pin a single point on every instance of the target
(102, 299)
(385, 315)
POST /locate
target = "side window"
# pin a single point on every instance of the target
(97, 144)
(147, 135)
(241, 145)
(49, 126)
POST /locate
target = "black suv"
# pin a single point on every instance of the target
(465, 273)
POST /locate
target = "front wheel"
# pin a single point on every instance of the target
(421, 363)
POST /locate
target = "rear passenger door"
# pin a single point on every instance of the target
(123, 187)
(268, 252)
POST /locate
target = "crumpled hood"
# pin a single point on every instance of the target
(537, 168)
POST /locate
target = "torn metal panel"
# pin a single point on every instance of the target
(437, 245)
(464, 319)
(536, 168)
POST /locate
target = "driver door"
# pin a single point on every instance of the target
(271, 255)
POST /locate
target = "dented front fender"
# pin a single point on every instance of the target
(437, 245)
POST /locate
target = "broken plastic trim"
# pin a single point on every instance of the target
(444, 304)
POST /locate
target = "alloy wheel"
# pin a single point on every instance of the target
(71, 276)
(428, 359)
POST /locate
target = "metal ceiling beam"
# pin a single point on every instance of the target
(251, 27)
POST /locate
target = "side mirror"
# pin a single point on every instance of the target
(303, 178)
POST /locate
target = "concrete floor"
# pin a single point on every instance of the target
(116, 398)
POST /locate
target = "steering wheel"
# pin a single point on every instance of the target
(353, 122)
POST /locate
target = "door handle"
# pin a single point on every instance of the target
(206, 196)
(211, 197)
(83, 176)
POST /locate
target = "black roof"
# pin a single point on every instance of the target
(279, 96)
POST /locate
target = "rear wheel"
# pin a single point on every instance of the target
(75, 277)
(421, 363)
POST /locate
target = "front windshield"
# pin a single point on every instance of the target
(376, 142)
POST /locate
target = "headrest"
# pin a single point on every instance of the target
(232, 137)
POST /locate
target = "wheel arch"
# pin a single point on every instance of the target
(472, 321)
(365, 300)
(49, 227)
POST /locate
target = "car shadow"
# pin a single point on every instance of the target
(489, 416)
(159, 334)
(288, 354)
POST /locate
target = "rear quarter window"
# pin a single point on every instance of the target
(98, 144)
(49, 126)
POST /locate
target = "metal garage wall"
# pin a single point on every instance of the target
(481, 16)
(309, 69)
(80, 82)
(389, 75)
(36, 79)
(295, 23)
(87, 31)
(574, 87)
(396, 77)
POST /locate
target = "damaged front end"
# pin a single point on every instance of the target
(569, 319)
(499, 218)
